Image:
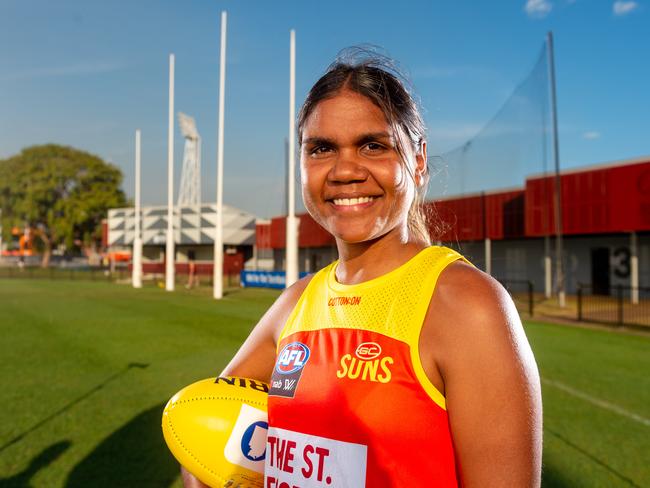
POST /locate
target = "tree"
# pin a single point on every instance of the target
(61, 193)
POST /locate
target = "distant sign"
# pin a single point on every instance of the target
(265, 279)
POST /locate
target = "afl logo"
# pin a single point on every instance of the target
(292, 358)
(368, 350)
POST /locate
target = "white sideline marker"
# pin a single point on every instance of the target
(597, 401)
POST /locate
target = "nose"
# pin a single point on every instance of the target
(347, 168)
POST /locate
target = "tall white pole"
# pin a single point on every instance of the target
(137, 239)
(634, 268)
(559, 269)
(292, 223)
(488, 255)
(169, 250)
(218, 239)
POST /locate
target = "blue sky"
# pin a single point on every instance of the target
(87, 73)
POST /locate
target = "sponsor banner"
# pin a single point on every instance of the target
(297, 460)
(288, 369)
(246, 445)
(265, 279)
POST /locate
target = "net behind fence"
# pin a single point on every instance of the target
(514, 144)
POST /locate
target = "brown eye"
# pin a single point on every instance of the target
(321, 150)
(373, 148)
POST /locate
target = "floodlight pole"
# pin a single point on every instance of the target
(292, 224)
(558, 180)
(137, 238)
(170, 249)
(217, 275)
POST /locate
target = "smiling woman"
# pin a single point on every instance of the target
(400, 364)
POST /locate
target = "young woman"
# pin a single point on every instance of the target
(399, 365)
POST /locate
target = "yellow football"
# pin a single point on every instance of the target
(216, 428)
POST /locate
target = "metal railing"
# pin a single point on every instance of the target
(522, 293)
(623, 306)
(62, 273)
(97, 273)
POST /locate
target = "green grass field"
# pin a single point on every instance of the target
(86, 368)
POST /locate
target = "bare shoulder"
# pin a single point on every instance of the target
(465, 290)
(256, 356)
(477, 345)
(473, 318)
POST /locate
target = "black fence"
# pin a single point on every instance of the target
(623, 306)
(522, 293)
(90, 273)
(97, 273)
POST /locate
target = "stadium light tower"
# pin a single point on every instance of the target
(170, 276)
(190, 189)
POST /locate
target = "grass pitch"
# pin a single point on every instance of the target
(86, 369)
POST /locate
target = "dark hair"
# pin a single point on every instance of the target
(376, 77)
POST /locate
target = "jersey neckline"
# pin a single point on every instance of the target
(333, 284)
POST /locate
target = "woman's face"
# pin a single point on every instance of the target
(354, 182)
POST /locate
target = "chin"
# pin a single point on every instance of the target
(353, 236)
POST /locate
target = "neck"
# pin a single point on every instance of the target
(363, 261)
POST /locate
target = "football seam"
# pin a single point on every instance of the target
(235, 399)
(180, 443)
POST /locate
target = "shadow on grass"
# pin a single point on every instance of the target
(71, 404)
(134, 455)
(554, 478)
(44, 459)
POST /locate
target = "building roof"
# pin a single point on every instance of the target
(194, 225)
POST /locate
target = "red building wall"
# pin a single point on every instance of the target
(310, 234)
(462, 218)
(603, 200)
(263, 235)
(504, 215)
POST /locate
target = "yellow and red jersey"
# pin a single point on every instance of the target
(349, 403)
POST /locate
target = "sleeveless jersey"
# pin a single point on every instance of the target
(349, 403)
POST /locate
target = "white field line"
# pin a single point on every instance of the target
(597, 401)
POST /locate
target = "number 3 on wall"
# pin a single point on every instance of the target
(622, 262)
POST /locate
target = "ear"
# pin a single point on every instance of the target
(421, 164)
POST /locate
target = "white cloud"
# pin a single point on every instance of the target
(591, 135)
(622, 7)
(538, 8)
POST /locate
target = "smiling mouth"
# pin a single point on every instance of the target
(348, 202)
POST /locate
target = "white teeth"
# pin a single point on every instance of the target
(352, 201)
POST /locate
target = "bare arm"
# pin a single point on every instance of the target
(474, 348)
(256, 357)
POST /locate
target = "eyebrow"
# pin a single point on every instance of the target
(317, 141)
(362, 139)
(373, 136)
